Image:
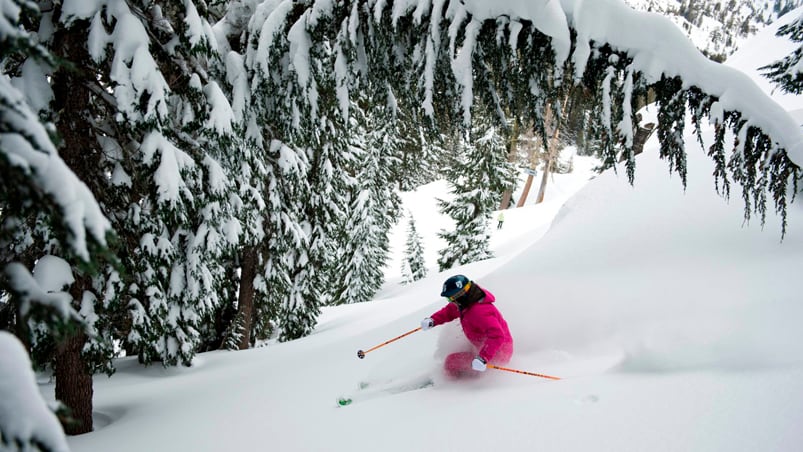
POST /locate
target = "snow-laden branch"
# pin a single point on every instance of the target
(26, 145)
(657, 48)
(449, 57)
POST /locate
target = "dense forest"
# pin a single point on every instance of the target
(188, 176)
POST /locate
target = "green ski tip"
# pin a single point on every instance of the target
(344, 402)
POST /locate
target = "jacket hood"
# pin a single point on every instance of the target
(475, 294)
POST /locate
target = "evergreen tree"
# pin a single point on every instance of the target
(248, 158)
(47, 211)
(477, 181)
(145, 128)
(364, 251)
(169, 126)
(413, 265)
(406, 274)
(786, 73)
(282, 106)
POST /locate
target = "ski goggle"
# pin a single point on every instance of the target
(453, 298)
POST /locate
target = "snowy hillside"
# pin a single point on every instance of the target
(672, 325)
(718, 27)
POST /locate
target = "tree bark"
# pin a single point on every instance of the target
(552, 152)
(544, 179)
(643, 133)
(74, 384)
(532, 162)
(525, 191)
(245, 305)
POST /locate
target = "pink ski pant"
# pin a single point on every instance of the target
(458, 365)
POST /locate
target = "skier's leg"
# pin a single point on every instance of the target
(458, 365)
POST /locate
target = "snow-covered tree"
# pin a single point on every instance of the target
(247, 157)
(477, 181)
(364, 248)
(280, 101)
(787, 73)
(226, 150)
(421, 147)
(146, 125)
(451, 48)
(164, 137)
(47, 209)
(413, 265)
(36, 181)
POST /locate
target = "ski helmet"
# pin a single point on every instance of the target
(455, 287)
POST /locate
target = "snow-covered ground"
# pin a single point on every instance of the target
(673, 326)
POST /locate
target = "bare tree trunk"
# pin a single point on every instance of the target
(525, 191)
(544, 177)
(532, 159)
(245, 305)
(552, 153)
(643, 133)
(74, 384)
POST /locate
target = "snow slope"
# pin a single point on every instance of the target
(674, 326)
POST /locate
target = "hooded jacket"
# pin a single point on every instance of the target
(483, 326)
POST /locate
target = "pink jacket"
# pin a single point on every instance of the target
(483, 325)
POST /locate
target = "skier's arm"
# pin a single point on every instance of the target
(446, 314)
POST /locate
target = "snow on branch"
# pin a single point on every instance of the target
(659, 49)
(521, 56)
(25, 145)
(136, 75)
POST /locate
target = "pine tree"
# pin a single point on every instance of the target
(786, 73)
(477, 181)
(149, 131)
(170, 191)
(406, 274)
(235, 321)
(47, 211)
(289, 302)
(364, 250)
(413, 265)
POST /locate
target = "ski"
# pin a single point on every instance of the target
(367, 392)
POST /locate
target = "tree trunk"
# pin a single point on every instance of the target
(73, 378)
(552, 152)
(72, 100)
(643, 133)
(245, 305)
(81, 152)
(526, 191)
(544, 178)
(532, 163)
(74, 384)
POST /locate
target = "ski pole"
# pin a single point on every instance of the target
(361, 354)
(523, 372)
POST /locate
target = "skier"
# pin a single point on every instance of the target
(500, 219)
(482, 324)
